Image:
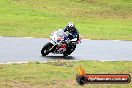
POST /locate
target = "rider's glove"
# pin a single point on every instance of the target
(78, 41)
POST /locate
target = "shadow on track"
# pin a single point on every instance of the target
(59, 57)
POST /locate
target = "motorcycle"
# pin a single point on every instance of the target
(60, 44)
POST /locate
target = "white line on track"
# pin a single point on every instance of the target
(27, 37)
(116, 40)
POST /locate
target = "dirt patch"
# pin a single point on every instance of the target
(63, 84)
(51, 84)
(17, 84)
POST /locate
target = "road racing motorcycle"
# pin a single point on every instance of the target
(60, 43)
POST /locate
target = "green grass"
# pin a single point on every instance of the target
(59, 74)
(95, 19)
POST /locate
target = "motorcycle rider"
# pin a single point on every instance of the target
(73, 33)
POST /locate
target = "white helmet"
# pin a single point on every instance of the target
(71, 26)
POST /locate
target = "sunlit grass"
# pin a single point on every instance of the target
(59, 73)
(99, 19)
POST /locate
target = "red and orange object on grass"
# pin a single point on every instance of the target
(83, 78)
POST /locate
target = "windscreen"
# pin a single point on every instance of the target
(61, 33)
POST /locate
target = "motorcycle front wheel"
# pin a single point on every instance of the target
(46, 49)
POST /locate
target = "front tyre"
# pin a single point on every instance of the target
(46, 49)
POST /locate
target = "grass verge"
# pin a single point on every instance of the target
(95, 19)
(59, 74)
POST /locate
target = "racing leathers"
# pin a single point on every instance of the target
(72, 34)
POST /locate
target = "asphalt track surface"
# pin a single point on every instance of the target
(14, 49)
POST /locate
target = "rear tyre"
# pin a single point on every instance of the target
(65, 54)
(69, 50)
(46, 49)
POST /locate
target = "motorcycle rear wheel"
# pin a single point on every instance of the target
(69, 50)
(65, 54)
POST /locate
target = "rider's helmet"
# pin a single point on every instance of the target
(71, 26)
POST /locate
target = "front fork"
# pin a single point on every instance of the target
(53, 47)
